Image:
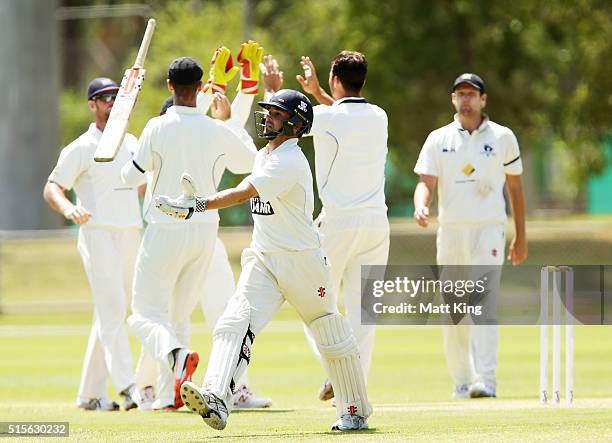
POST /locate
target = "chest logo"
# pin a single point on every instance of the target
(449, 150)
(260, 207)
(468, 169)
(488, 150)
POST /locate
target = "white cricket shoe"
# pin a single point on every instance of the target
(327, 391)
(147, 395)
(131, 397)
(350, 422)
(210, 407)
(461, 392)
(98, 404)
(244, 398)
(480, 390)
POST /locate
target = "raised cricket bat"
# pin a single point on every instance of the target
(117, 123)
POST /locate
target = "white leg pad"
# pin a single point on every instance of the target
(231, 350)
(338, 348)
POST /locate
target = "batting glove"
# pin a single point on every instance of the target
(185, 205)
(222, 70)
(249, 58)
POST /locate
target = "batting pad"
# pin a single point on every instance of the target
(338, 347)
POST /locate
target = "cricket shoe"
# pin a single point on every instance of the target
(350, 422)
(461, 392)
(244, 398)
(147, 395)
(480, 390)
(210, 407)
(131, 397)
(185, 364)
(327, 391)
(98, 404)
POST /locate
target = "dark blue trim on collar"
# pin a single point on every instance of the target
(353, 100)
(137, 166)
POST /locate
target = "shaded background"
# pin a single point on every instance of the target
(546, 65)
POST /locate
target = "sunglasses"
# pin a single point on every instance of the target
(106, 98)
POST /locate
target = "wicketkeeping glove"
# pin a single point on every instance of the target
(249, 58)
(185, 205)
(222, 70)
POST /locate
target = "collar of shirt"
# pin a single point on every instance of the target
(182, 110)
(483, 126)
(286, 145)
(349, 100)
(94, 132)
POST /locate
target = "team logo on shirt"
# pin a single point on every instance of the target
(487, 150)
(260, 207)
(468, 169)
(321, 291)
(449, 150)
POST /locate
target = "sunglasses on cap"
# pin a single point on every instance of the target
(106, 98)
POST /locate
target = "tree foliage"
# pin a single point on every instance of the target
(547, 64)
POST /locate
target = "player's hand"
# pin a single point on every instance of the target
(272, 75)
(309, 82)
(222, 70)
(421, 216)
(249, 58)
(220, 108)
(181, 208)
(77, 215)
(517, 251)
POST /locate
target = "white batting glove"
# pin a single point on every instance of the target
(185, 205)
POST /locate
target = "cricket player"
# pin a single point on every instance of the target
(174, 256)
(350, 142)
(469, 161)
(219, 284)
(108, 213)
(284, 262)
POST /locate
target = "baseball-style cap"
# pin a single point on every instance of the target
(169, 102)
(184, 71)
(470, 79)
(101, 85)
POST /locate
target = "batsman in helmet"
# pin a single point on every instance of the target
(283, 262)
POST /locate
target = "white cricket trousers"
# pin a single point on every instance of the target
(352, 239)
(219, 286)
(266, 281)
(108, 256)
(170, 270)
(471, 350)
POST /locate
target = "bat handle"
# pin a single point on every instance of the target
(144, 46)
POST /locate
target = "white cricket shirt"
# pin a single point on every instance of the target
(350, 141)
(282, 213)
(471, 170)
(184, 140)
(98, 186)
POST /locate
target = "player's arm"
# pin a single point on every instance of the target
(55, 196)
(310, 82)
(184, 206)
(133, 172)
(518, 246)
(423, 195)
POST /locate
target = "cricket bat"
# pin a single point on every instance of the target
(117, 123)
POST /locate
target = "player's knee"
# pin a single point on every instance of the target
(334, 336)
(236, 317)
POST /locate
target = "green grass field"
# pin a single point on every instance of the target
(43, 335)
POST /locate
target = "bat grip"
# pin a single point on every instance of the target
(144, 46)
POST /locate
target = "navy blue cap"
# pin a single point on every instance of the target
(101, 85)
(470, 79)
(184, 71)
(169, 102)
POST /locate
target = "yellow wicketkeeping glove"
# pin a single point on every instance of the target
(222, 70)
(249, 58)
